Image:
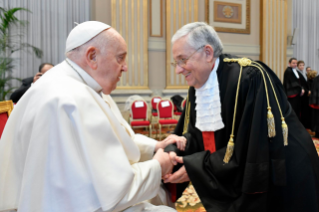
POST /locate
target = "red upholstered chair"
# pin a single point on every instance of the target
(165, 114)
(176, 112)
(5, 110)
(138, 116)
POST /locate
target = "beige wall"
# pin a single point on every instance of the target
(101, 11)
(234, 43)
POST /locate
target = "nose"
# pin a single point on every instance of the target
(178, 69)
(124, 67)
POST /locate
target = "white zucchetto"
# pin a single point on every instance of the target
(84, 32)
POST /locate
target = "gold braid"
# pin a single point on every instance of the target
(270, 116)
(231, 144)
(186, 118)
(283, 124)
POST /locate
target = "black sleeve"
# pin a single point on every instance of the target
(291, 84)
(17, 94)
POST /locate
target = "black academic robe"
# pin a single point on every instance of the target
(314, 103)
(263, 174)
(293, 87)
(17, 94)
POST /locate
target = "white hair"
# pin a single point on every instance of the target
(200, 34)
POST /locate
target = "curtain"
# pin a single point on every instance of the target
(306, 19)
(49, 24)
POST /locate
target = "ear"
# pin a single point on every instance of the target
(209, 53)
(91, 57)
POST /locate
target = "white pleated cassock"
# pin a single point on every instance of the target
(63, 149)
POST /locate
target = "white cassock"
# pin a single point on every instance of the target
(64, 150)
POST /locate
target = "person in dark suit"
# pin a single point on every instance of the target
(27, 82)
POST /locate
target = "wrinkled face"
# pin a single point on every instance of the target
(46, 68)
(111, 64)
(197, 68)
(301, 66)
(293, 64)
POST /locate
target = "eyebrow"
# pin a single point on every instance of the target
(122, 54)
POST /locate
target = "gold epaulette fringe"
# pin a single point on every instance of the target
(270, 117)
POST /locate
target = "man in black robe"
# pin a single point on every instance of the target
(314, 104)
(263, 173)
(296, 88)
(27, 82)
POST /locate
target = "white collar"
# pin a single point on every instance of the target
(295, 72)
(84, 76)
(208, 105)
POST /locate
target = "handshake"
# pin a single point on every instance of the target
(169, 160)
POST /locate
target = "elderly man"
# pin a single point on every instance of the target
(71, 153)
(246, 149)
(27, 82)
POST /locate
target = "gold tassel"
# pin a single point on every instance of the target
(230, 149)
(271, 124)
(284, 131)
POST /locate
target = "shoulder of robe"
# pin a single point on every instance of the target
(249, 67)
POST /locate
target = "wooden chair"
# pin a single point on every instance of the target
(5, 110)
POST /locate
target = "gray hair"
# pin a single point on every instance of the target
(200, 34)
(100, 41)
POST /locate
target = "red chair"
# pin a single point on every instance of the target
(5, 110)
(139, 115)
(176, 112)
(165, 114)
(154, 102)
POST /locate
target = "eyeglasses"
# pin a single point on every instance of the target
(182, 62)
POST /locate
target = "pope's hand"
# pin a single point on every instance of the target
(179, 140)
(164, 160)
(302, 92)
(179, 176)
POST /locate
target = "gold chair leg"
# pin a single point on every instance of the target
(150, 130)
(160, 131)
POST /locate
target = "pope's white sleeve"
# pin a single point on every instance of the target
(146, 146)
(147, 175)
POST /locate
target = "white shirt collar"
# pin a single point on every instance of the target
(295, 72)
(85, 76)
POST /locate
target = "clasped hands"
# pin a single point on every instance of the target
(169, 160)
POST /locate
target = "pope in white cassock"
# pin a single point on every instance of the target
(65, 149)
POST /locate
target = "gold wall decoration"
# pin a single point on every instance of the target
(156, 18)
(227, 16)
(273, 35)
(178, 13)
(129, 18)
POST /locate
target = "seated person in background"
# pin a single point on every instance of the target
(27, 82)
(71, 153)
(242, 154)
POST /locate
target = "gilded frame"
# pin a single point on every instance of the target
(6, 107)
(246, 30)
